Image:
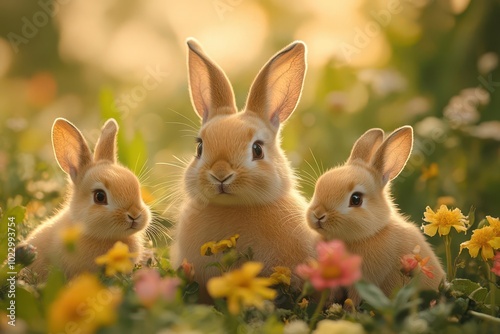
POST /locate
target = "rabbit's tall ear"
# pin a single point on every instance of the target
(210, 90)
(366, 145)
(105, 149)
(276, 90)
(70, 148)
(391, 157)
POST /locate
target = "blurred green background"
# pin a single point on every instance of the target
(430, 64)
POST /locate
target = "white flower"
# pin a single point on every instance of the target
(487, 62)
(338, 327)
(414, 325)
(296, 327)
(486, 130)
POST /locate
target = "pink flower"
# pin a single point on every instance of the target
(496, 264)
(187, 270)
(149, 287)
(408, 264)
(334, 267)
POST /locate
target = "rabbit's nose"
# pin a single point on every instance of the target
(222, 179)
(320, 217)
(133, 218)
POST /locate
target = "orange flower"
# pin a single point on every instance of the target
(410, 262)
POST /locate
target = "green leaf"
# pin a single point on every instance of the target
(192, 288)
(479, 295)
(190, 293)
(373, 295)
(482, 223)
(17, 213)
(497, 296)
(464, 286)
(272, 325)
(403, 299)
(471, 216)
(28, 309)
(55, 282)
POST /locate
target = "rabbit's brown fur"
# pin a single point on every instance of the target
(123, 218)
(374, 229)
(229, 188)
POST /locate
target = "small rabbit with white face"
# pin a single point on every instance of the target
(240, 181)
(353, 203)
(104, 202)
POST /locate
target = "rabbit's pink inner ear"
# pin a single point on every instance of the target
(366, 145)
(105, 148)
(277, 88)
(391, 157)
(210, 89)
(70, 148)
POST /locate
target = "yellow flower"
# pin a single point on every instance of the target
(446, 200)
(242, 286)
(212, 247)
(117, 259)
(303, 303)
(483, 239)
(281, 275)
(338, 327)
(429, 173)
(442, 220)
(70, 235)
(84, 304)
(495, 223)
(206, 248)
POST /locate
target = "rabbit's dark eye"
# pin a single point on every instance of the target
(199, 147)
(100, 197)
(356, 199)
(257, 151)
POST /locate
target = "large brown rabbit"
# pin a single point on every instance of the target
(104, 201)
(353, 203)
(240, 181)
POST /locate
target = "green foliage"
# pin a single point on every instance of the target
(133, 153)
(439, 73)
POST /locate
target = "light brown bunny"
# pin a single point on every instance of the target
(240, 181)
(353, 203)
(104, 202)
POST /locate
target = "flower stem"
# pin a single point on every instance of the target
(491, 279)
(319, 308)
(449, 264)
